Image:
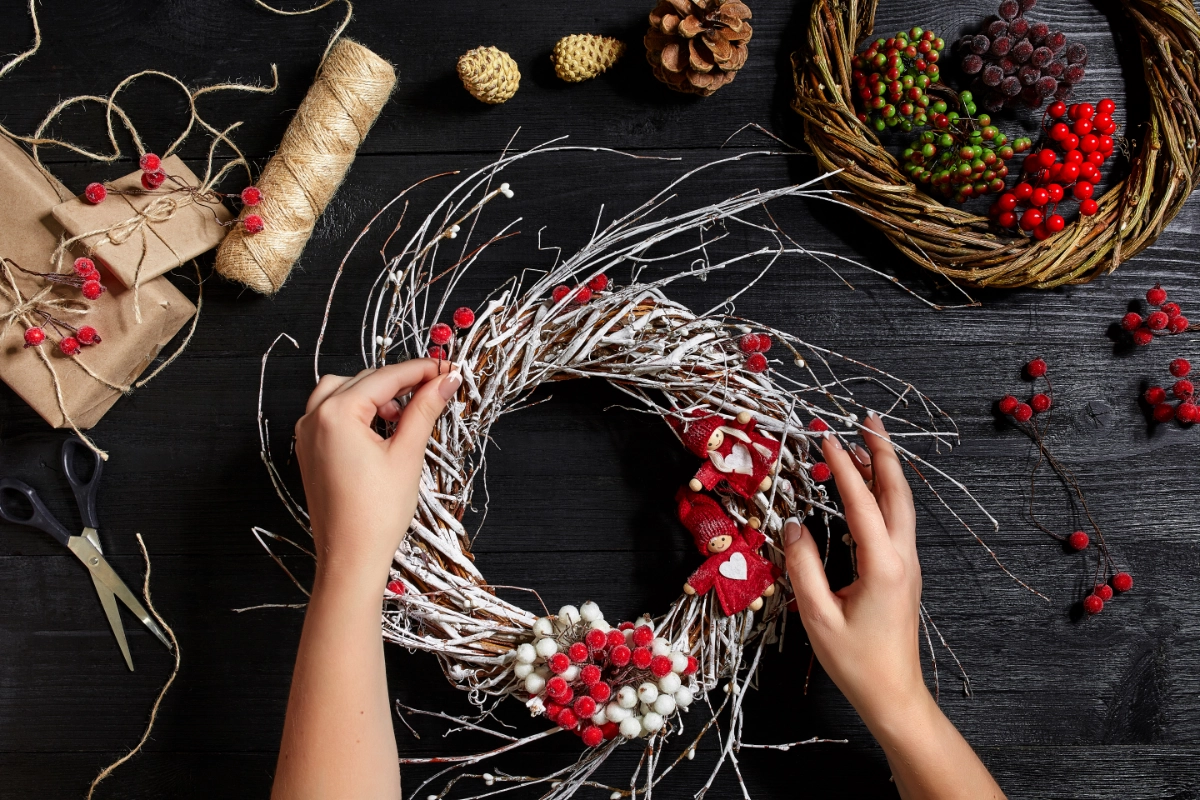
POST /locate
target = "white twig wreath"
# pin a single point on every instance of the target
(671, 361)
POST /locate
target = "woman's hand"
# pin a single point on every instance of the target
(866, 634)
(362, 488)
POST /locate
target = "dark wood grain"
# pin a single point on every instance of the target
(580, 492)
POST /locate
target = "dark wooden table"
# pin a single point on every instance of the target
(1062, 707)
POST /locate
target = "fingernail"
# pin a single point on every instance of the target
(871, 413)
(833, 442)
(863, 455)
(792, 531)
(449, 385)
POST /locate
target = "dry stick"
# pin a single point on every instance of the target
(104, 773)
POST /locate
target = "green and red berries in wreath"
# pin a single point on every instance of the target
(891, 78)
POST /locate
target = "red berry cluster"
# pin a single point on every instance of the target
(580, 294)
(1166, 318)
(1039, 403)
(1183, 390)
(820, 471)
(1085, 143)
(754, 345)
(1103, 592)
(442, 335)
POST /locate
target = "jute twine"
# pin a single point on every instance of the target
(316, 152)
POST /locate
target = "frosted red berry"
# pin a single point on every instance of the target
(1163, 412)
(595, 639)
(84, 266)
(600, 692)
(437, 352)
(614, 638)
(567, 719)
(582, 295)
(34, 336)
(95, 193)
(441, 333)
(1178, 324)
(1036, 368)
(464, 317)
(625, 626)
(87, 335)
(251, 195)
(578, 652)
(642, 657)
(1023, 412)
(395, 587)
(1171, 309)
(253, 223)
(764, 342)
(660, 666)
(1183, 389)
(610, 730)
(1156, 296)
(560, 291)
(551, 710)
(1143, 336)
(620, 655)
(1122, 582)
(1155, 395)
(592, 736)
(69, 346)
(557, 686)
(817, 425)
(1040, 402)
(153, 180)
(821, 472)
(92, 289)
(1103, 591)
(598, 283)
(1131, 321)
(643, 635)
(559, 663)
(1180, 367)
(584, 707)
(1078, 540)
(150, 163)
(757, 362)
(1008, 404)
(748, 343)
(1157, 321)
(1187, 413)
(1093, 604)
(590, 675)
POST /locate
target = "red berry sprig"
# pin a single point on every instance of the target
(1022, 415)
(753, 345)
(1166, 319)
(581, 294)
(71, 339)
(1186, 412)
(85, 277)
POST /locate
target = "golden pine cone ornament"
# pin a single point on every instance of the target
(489, 74)
(581, 56)
(697, 46)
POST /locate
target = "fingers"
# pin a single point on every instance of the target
(891, 487)
(325, 387)
(817, 605)
(418, 418)
(862, 513)
(862, 462)
(374, 392)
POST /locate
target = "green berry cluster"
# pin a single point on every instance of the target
(962, 157)
(891, 78)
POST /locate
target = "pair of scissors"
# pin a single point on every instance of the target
(85, 546)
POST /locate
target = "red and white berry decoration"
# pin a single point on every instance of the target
(600, 682)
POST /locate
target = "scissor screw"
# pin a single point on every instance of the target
(94, 561)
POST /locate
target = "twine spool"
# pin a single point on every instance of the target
(298, 182)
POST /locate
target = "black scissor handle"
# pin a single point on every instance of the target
(39, 518)
(85, 491)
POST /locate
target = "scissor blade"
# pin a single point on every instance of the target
(102, 572)
(109, 601)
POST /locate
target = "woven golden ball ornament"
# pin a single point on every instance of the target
(582, 56)
(489, 74)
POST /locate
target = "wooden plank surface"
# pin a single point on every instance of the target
(580, 492)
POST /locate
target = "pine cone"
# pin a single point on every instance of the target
(697, 46)
(489, 74)
(585, 55)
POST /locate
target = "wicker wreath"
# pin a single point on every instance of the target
(964, 246)
(571, 322)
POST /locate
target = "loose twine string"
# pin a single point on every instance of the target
(104, 773)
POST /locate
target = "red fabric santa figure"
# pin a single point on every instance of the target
(736, 453)
(741, 576)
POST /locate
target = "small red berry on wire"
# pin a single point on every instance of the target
(560, 291)
(578, 652)
(69, 346)
(1036, 368)
(567, 719)
(660, 666)
(600, 692)
(748, 343)
(1187, 413)
(559, 663)
(551, 709)
(598, 283)
(584, 707)
(614, 638)
(595, 639)
(441, 333)
(1093, 604)
(620, 655)
(1156, 296)
(590, 675)
(87, 335)
(757, 362)
(1103, 591)
(150, 163)
(1155, 395)
(1183, 389)
(1040, 402)
(582, 295)
(1163, 412)
(1023, 412)
(821, 472)
(1180, 367)
(92, 289)
(437, 352)
(34, 336)
(610, 730)
(643, 635)
(817, 425)
(1143, 336)
(642, 657)
(396, 587)
(1157, 321)
(84, 266)
(1171, 309)
(1131, 321)
(1122, 581)
(95, 193)
(1008, 404)
(1078, 540)
(253, 224)
(764, 342)
(464, 318)
(153, 180)
(592, 736)
(252, 195)
(1178, 324)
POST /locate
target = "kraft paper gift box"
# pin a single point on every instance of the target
(153, 231)
(29, 236)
